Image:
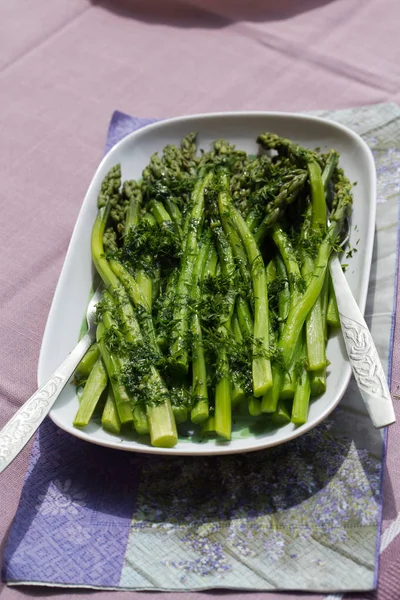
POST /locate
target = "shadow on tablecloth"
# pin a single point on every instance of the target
(210, 14)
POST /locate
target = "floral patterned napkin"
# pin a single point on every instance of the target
(301, 516)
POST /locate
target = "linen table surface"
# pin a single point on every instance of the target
(66, 66)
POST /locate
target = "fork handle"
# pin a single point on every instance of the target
(20, 428)
(363, 355)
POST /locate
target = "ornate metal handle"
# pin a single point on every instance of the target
(363, 356)
(20, 428)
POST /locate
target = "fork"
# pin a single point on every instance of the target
(20, 428)
(362, 353)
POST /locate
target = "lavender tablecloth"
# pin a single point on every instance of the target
(64, 67)
(302, 516)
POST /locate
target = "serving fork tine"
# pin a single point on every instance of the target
(20, 428)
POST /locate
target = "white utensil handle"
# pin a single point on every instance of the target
(363, 356)
(20, 428)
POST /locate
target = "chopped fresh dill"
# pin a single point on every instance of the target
(193, 313)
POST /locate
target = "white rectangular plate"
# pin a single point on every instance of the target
(133, 153)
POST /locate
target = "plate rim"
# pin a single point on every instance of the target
(252, 444)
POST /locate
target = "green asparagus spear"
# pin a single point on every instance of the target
(223, 389)
(298, 313)
(303, 388)
(179, 310)
(286, 196)
(179, 358)
(332, 316)
(88, 361)
(261, 367)
(271, 398)
(94, 387)
(200, 410)
(112, 366)
(110, 419)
